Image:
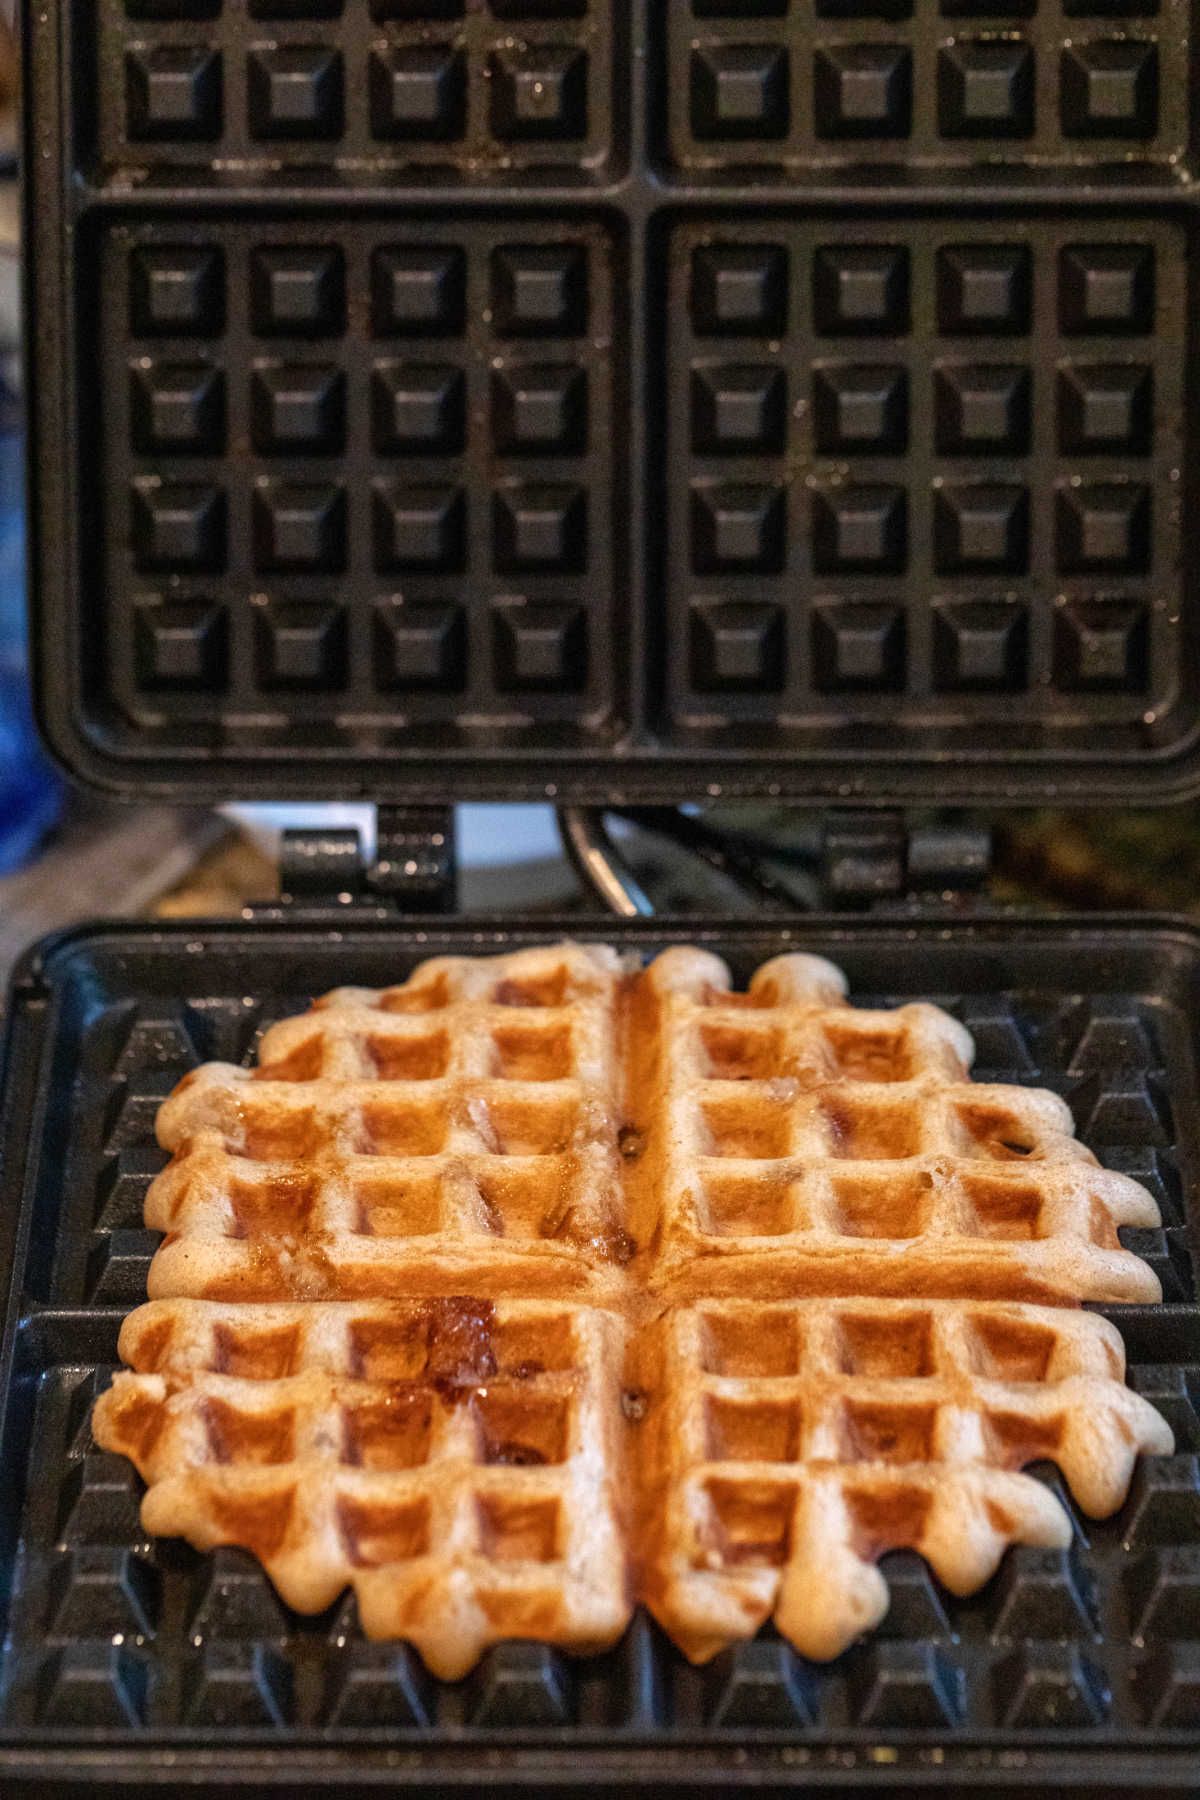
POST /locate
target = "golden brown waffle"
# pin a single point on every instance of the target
(676, 1213)
(805, 1147)
(455, 1134)
(789, 1446)
(459, 1465)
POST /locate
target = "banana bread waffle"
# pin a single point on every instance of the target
(790, 1446)
(459, 1464)
(462, 1128)
(541, 1284)
(804, 1147)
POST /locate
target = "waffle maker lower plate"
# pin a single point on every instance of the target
(1080, 1668)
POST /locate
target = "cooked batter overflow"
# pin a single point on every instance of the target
(539, 1286)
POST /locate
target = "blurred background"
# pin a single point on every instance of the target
(66, 856)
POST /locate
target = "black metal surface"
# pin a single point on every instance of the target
(414, 869)
(120, 1654)
(611, 399)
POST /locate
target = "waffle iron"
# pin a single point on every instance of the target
(617, 402)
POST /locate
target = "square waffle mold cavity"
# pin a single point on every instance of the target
(594, 396)
(1084, 1655)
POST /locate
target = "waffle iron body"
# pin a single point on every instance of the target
(1075, 1668)
(599, 400)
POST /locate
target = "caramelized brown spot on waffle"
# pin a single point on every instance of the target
(389, 1433)
(1008, 1209)
(875, 1131)
(432, 996)
(459, 1335)
(514, 1530)
(529, 1202)
(394, 1127)
(262, 1355)
(391, 1349)
(612, 1247)
(740, 1052)
(529, 1052)
(888, 1519)
(898, 1347)
(378, 1532)
(895, 1206)
(631, 1143)
(766, 1343)
(271, 1136)
(534, 1344)
(398, 1206)
(752, 1431)
(235, 1436)
(258, 1522)
(995, 1132)
(747, 1126)
(520, 1428)
(1000, 1519)
(882, 1055)
(1017, 1440)
(304, 1063)
(409, 1058)
(879, 1431)
(152, 1345)
(1101, 1229)
(533, 990)
(752, 1520)
(279, 1205)
(539, 1127)
(138, 1421)
(1012, 1349)
(758, 1205)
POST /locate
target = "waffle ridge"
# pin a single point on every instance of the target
(454, 1307)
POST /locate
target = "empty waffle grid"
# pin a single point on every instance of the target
(465, 1491)
(473, 556)
(891, 82)
(413, 91)
(458, 1134)
(932, 473)
(1107, 658)
(793, 1445)
(814, 1147)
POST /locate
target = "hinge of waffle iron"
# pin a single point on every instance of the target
(883, 861)
(324, 875)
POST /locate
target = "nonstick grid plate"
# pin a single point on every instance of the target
(152, 1644)
(603, 396)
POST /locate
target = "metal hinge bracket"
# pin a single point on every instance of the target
(883, 860)
(323, 873)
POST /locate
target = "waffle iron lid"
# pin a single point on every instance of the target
(576, 398)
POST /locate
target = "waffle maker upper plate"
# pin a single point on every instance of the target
(598, 397)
